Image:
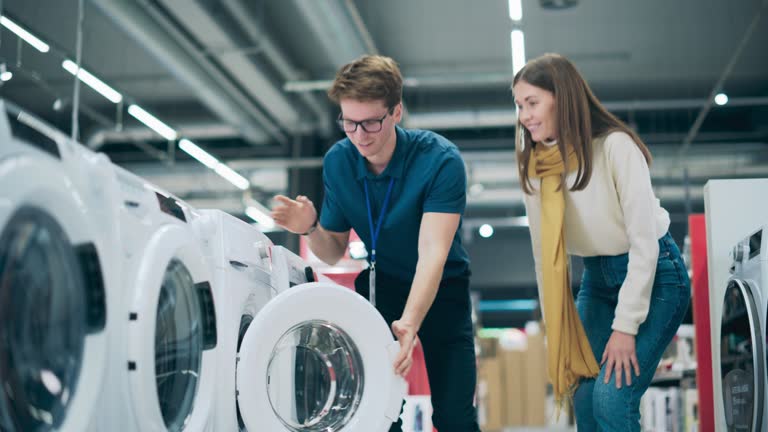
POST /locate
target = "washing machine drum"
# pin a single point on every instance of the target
(51, 300)
(742, 358)
(319, 358)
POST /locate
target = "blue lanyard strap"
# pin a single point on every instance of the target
(375, 233)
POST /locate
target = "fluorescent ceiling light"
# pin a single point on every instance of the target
(211, 162)
(515, 10)
(27, 36)
(152, 122)
(93, 82)
(486, 231)
(231, 176)
(6, 76)
(518, 50)
(196, 152)
(720, 98)
(260, 215)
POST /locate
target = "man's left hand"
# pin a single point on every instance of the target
(406, 335)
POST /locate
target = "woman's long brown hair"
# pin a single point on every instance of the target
(580, 117)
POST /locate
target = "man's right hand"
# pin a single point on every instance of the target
(297, 216)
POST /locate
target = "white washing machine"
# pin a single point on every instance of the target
(739, 314)
(317, 357)
(54, 274)
(241, 280)
(289, 270)
(162, 362)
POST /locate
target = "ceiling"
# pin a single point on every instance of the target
(245, 80)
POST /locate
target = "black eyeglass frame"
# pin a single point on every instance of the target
(340, 121)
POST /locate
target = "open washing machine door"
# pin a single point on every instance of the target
(319, 357)
(172, 334)
(742, 358)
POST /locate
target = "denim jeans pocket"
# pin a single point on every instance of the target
(671, 281)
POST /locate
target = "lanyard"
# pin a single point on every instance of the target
(375, 234)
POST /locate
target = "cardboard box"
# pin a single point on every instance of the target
(536, 380)
(512, 349)
(488, 346)
(490, 394)
(514, 386)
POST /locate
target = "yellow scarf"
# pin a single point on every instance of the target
(569, 354)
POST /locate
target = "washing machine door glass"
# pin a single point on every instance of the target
(319, 367)
(179, 345)
(44, 324)
(741, 358)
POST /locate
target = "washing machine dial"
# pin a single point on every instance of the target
(262, 251)
(739, 252)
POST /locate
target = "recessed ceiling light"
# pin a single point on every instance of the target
(721, 99)
(486, 231)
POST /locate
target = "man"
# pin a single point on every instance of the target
(404, 192)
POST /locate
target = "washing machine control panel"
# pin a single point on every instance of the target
(289, 269)
(754, 243)
(747, 249)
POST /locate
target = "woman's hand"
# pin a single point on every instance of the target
(619, 356)
(406, 336)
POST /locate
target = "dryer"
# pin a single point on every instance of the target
(54, 275)
(739, 314)
(241, 280)
(317, 357)
(162, 362)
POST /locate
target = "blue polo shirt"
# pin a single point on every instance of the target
(429, 177)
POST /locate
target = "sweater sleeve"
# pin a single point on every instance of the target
(632, 179)
(533, 212)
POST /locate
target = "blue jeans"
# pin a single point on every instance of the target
(602, 407)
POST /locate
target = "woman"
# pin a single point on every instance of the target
(588, 192)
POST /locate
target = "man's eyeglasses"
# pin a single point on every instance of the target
(370, 125)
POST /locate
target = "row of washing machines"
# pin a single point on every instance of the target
(122, 308)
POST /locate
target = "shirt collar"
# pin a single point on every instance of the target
(395, 166)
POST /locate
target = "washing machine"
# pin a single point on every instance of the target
(55, 270)
(162, 365)
(241, 280)
(317, 357)
(740, 310)
(290, 270)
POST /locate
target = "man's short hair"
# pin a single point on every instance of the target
(369, 78)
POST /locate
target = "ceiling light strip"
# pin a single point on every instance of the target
(100, 86)
(260, 214)
(232, 176)
(152, 122)
(201, 155)
(515, 10)
(24, 34)
(518, 50)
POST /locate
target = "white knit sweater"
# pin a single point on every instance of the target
(616, 213)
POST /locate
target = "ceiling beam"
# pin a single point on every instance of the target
(140, 20)
(252, 26)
